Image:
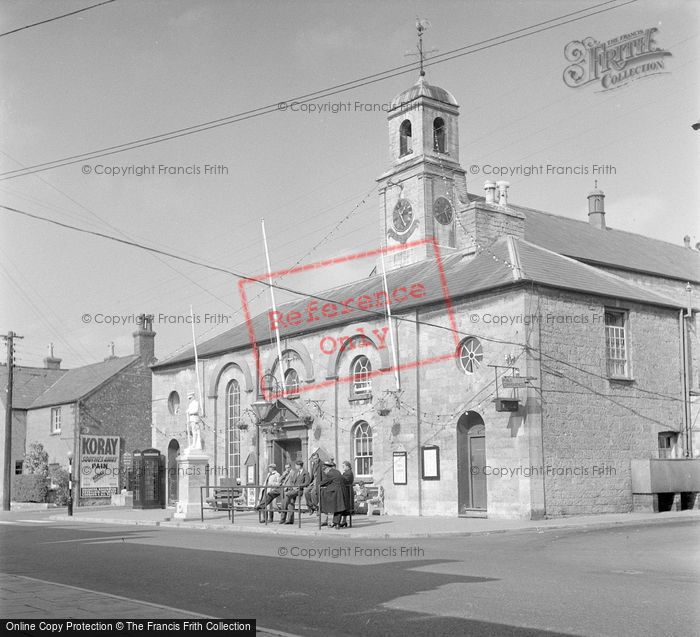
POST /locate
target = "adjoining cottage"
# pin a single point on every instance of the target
(106, 401)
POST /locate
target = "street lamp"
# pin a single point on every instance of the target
(70, 483)
(262, 409)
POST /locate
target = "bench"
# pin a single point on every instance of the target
(373, 504)
(225, 495)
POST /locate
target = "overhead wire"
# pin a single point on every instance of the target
(276, 285)
(315, 95)
(58, 17)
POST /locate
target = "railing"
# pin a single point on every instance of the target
(236, 498)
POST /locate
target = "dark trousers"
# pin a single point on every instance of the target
(269, 498)
(311, 499)
(288, 502)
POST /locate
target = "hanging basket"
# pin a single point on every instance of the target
(382, 407)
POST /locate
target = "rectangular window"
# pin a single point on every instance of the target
(616, 343)
(667, 442)
(19, 466)
(55, 420)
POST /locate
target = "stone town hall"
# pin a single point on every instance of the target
(539, 357)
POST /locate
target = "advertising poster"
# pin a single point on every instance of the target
(99, 466)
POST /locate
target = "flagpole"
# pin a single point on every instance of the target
(391, 326)
(274, 308)
(196, 362)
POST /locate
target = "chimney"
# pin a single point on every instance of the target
(686, 241)
(502, 193)
(51, 362)
(110, 351)
(490, 188)
(144, 338)
(596, 208)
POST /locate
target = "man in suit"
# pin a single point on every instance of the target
(332, 499)
(269, 493)
(310, 491)
(293, 487)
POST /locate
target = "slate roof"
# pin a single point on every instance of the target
(617, 248)
(81, 381)
(465, 275)
(29, 383)
(554, 270)
(425, 272)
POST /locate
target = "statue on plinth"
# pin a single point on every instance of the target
(194, 424)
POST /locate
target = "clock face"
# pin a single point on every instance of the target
(403, 215)
(442, 209)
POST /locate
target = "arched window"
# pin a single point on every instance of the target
(233, 433)
(439, 135)
(291, 382)
(362, 449)
(405, 141)
(470, 355)
(269, 387)
(361, 385)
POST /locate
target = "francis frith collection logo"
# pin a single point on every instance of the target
(614, 63)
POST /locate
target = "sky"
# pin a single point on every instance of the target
(131, 70)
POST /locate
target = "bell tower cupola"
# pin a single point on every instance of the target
(425, 186)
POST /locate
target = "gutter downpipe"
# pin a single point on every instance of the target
(418, 421)
(684, 382)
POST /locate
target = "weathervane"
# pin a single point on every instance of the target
(422, 25)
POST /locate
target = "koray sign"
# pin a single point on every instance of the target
(99, 466)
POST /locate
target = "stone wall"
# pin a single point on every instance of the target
(433, 396)
(593, 425)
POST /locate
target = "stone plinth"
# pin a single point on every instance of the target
(191, 474)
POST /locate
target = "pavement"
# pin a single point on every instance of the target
(364, 526)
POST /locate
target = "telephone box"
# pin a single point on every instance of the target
(147, 479)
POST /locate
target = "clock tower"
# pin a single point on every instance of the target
(425, 188)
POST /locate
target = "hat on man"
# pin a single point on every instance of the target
(299, 463)
(329, 463)
(272, 466)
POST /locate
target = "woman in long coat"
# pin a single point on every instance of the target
(332, 498)
(348, 494)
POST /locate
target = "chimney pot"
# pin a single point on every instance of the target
(490, 188)
(596, 208)
(502, 193)
(686, 241)
(110, 351)
(51, 362)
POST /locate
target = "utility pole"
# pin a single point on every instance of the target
(7, 468)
